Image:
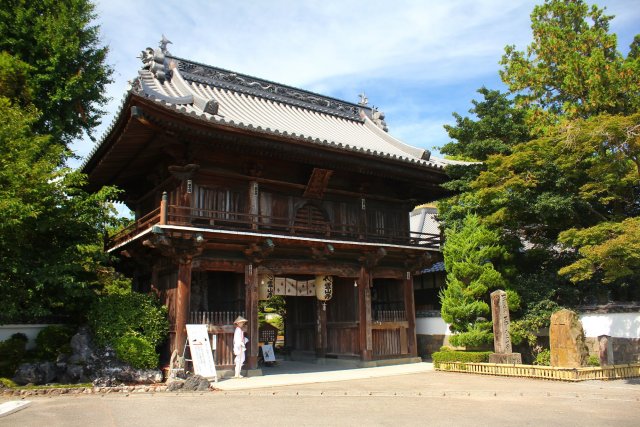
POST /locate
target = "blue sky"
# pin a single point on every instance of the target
(417, 61)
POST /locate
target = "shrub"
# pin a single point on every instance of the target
(543, 358)
(12, 351)
(459, 356)
(593, 361)
(116, 315)
(6, 382)
(136, 351)
(54, 340)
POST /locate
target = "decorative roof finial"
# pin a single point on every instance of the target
(363, 99)
(163, 45)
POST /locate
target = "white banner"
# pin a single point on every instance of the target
(201, 355)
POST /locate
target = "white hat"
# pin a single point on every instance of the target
(240, 319)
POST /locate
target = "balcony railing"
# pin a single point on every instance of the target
(267, 224)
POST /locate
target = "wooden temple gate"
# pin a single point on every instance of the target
(232, 177)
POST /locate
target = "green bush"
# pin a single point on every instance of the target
(54, 340)
(12, 352)
(6, 382)
(136, 351)
(543, 358)
(593, 361)
(459, 356)
(116, 315)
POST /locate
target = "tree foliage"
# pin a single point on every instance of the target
(564, 197)
(572, 68)
(52, 77)
(50, 230)
(469, 256)
(497, 127)
(66, 64)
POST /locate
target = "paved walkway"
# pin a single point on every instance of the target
(301, 394)
(287, 373)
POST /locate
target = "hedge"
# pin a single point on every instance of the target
(459, 356)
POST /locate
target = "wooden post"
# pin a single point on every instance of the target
(183, 297)
(321, 329)
(163, 208)
(410, 310)
(364, 314)
(251, 313)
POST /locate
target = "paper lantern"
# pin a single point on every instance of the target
(324, 287)
(266, 286)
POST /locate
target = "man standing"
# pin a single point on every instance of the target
(239, 344)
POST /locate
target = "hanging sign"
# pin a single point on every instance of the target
(200, 348)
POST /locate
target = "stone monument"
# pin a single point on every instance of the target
(503, 353)
(566, 338)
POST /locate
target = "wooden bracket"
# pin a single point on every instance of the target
(371, 259)
(320, 254)
(258, 252)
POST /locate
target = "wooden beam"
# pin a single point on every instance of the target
(289, 267)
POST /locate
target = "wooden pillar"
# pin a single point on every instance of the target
(321, 329)
(183, 297)
(364, 315)
(410, 309)
(251, 314)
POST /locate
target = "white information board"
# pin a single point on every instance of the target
(267, 353)
(200, 348)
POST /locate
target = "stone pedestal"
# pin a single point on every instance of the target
(567, 341)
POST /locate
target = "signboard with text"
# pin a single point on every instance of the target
(200, 349)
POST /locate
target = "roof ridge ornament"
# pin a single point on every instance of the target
(163, 45)
(364, 101)
(154, 60)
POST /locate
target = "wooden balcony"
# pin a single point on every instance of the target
(255, 223)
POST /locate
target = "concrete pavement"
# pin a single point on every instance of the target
(289, 373)
(320, 395)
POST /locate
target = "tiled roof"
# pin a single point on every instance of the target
(438, 266)
(226, 98)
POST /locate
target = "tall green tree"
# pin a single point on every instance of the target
(495, 127)
(51, 231)
(565, 199)
(67, 73)
(470, 253)
(572, 69)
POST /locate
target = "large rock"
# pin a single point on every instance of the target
(567, 341)
(35, 373)
(82, 349)
(196, 383)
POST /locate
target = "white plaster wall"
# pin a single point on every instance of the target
(621, 325)
(431, 326)
(31, 331)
